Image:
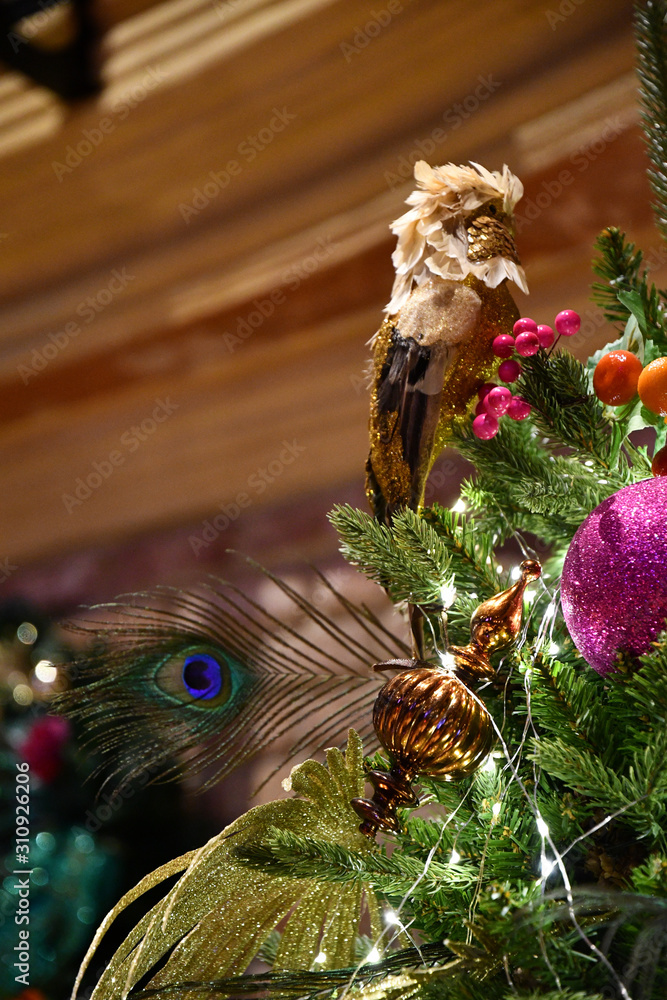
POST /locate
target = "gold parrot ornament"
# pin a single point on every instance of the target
(454, 256)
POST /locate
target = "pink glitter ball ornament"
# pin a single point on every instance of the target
(614, 583)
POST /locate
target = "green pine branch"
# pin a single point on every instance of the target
(289, 855)
(556, 386)
(638, 699)
(470, 550)
(640, 794)
(522, 485)
(409, 560)
(624, 290)
(571, 704)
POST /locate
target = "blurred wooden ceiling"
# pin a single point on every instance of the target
(194, 259)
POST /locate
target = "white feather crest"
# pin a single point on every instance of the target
(431, 239)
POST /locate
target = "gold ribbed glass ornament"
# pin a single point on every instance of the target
(429, 721)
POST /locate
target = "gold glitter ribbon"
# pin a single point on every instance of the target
(220, 912)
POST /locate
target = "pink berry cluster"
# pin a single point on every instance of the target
(496, 401)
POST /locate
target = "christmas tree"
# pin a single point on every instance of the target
(539, 868)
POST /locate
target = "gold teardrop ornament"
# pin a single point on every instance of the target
(429, 721)
(431, 725)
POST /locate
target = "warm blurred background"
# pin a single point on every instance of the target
(195, 247)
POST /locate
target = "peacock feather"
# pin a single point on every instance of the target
(212, 676)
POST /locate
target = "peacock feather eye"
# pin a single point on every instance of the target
(202, 676)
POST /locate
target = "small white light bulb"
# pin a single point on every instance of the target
(448, 660)
(547, 867)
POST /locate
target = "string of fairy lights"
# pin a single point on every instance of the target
(551, 859)
(44, 675)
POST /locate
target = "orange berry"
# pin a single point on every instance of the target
(659, 463)
(652, 386)
(615, 377)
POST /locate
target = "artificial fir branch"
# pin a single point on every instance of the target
(618, 264)
(287, 854)
(410, 561)
(556, 386)
(643, 949)
(428, 553)
(564, 701)
(652, 72)
(638, 700)
(624, 289)
(523, 486)
(640, 793)
(470, 550)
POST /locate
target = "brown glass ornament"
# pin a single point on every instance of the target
(427, 718)
(431, 725)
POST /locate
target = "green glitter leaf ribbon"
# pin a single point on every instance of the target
(220, 912)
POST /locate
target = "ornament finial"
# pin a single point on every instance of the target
(495, 624)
